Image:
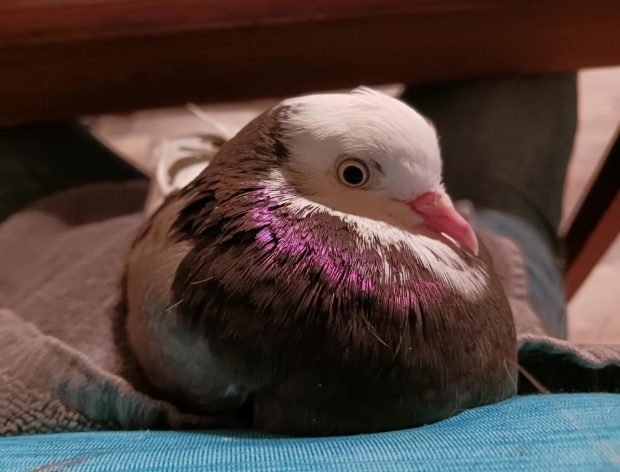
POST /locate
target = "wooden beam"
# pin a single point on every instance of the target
(64, 58)
(596, 225)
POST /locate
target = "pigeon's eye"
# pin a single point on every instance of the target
(353, 172)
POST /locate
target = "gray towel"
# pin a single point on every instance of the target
(61, 266)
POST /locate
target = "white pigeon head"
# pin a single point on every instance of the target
(367, 154)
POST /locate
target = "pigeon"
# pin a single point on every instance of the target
(316, 278)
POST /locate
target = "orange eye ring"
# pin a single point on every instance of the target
(353, 172)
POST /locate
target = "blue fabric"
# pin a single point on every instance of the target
(539, 433)
(544, 278)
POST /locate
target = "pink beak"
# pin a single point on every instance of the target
(438, 214)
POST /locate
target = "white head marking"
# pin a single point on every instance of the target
(367, 125)
(400, 150)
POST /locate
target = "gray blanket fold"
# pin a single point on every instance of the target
(61, 263)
